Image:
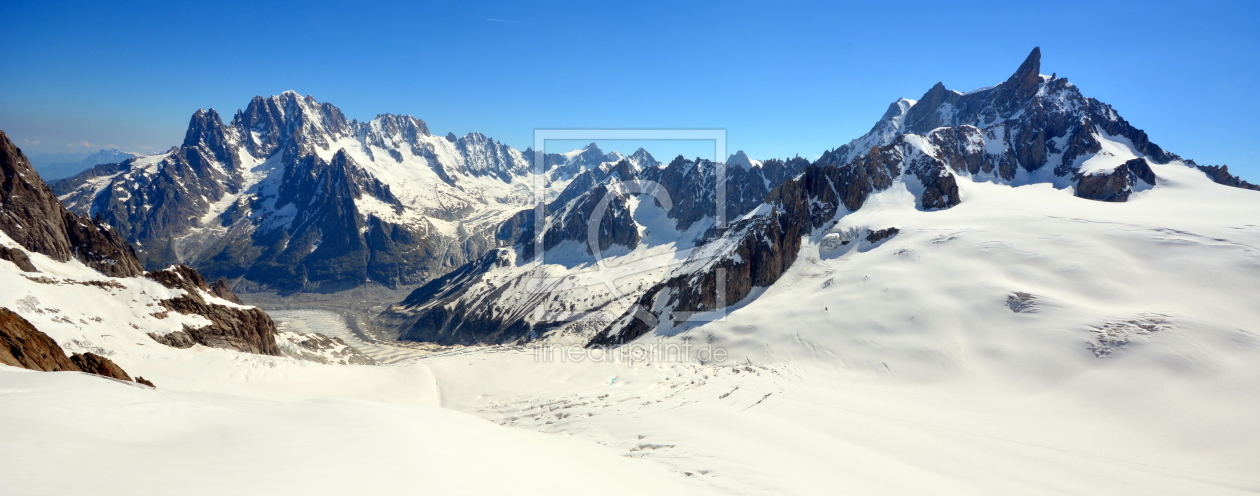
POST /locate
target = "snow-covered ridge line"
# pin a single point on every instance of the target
(289, 194)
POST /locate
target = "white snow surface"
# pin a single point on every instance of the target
(897, 368)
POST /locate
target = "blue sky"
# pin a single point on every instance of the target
(783, 78)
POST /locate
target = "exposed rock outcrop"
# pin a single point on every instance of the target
(221, 289)
(246, 329)
(1220, 175)
(1117, 185)
(881, 234)
(22, 345)
(18, 257)
(99, 365)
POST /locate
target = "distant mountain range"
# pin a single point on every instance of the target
(292, 196)
(55, 166)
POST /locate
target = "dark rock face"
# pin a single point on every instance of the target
(242, 329)
(576, 206)
(882, 234)
(1221, 175)
(99, 365)
(221, 289)
(18, 257)
(444, 312)
(328, 245)
(32, 216)
(22, 345)
(1117, 185)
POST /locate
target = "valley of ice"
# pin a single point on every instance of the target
(1023, 342)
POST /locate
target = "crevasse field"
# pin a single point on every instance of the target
(1023, 342)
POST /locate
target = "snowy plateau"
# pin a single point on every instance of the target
(1012, 291)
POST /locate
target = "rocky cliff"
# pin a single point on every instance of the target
(232, 326)
(32, 217)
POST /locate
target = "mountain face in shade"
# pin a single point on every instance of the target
(33, 217)
(291, 195)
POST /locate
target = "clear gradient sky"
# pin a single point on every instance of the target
(784, 78)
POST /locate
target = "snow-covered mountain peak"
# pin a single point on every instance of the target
(297, 176)
(1032, 128)
(740, 159)
(897, 109)
(642, 159)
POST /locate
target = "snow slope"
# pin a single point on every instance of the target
(222, 421)
(68, 433)
(899, 367)
(903, 367)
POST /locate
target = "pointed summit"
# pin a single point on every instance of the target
(923, 116)
(898, 108)
(1028, 76)
(641, 158)
(740, 159)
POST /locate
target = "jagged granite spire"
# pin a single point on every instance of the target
(1026, 79)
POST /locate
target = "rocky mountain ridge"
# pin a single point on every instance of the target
(292, 196)
(492, 299)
